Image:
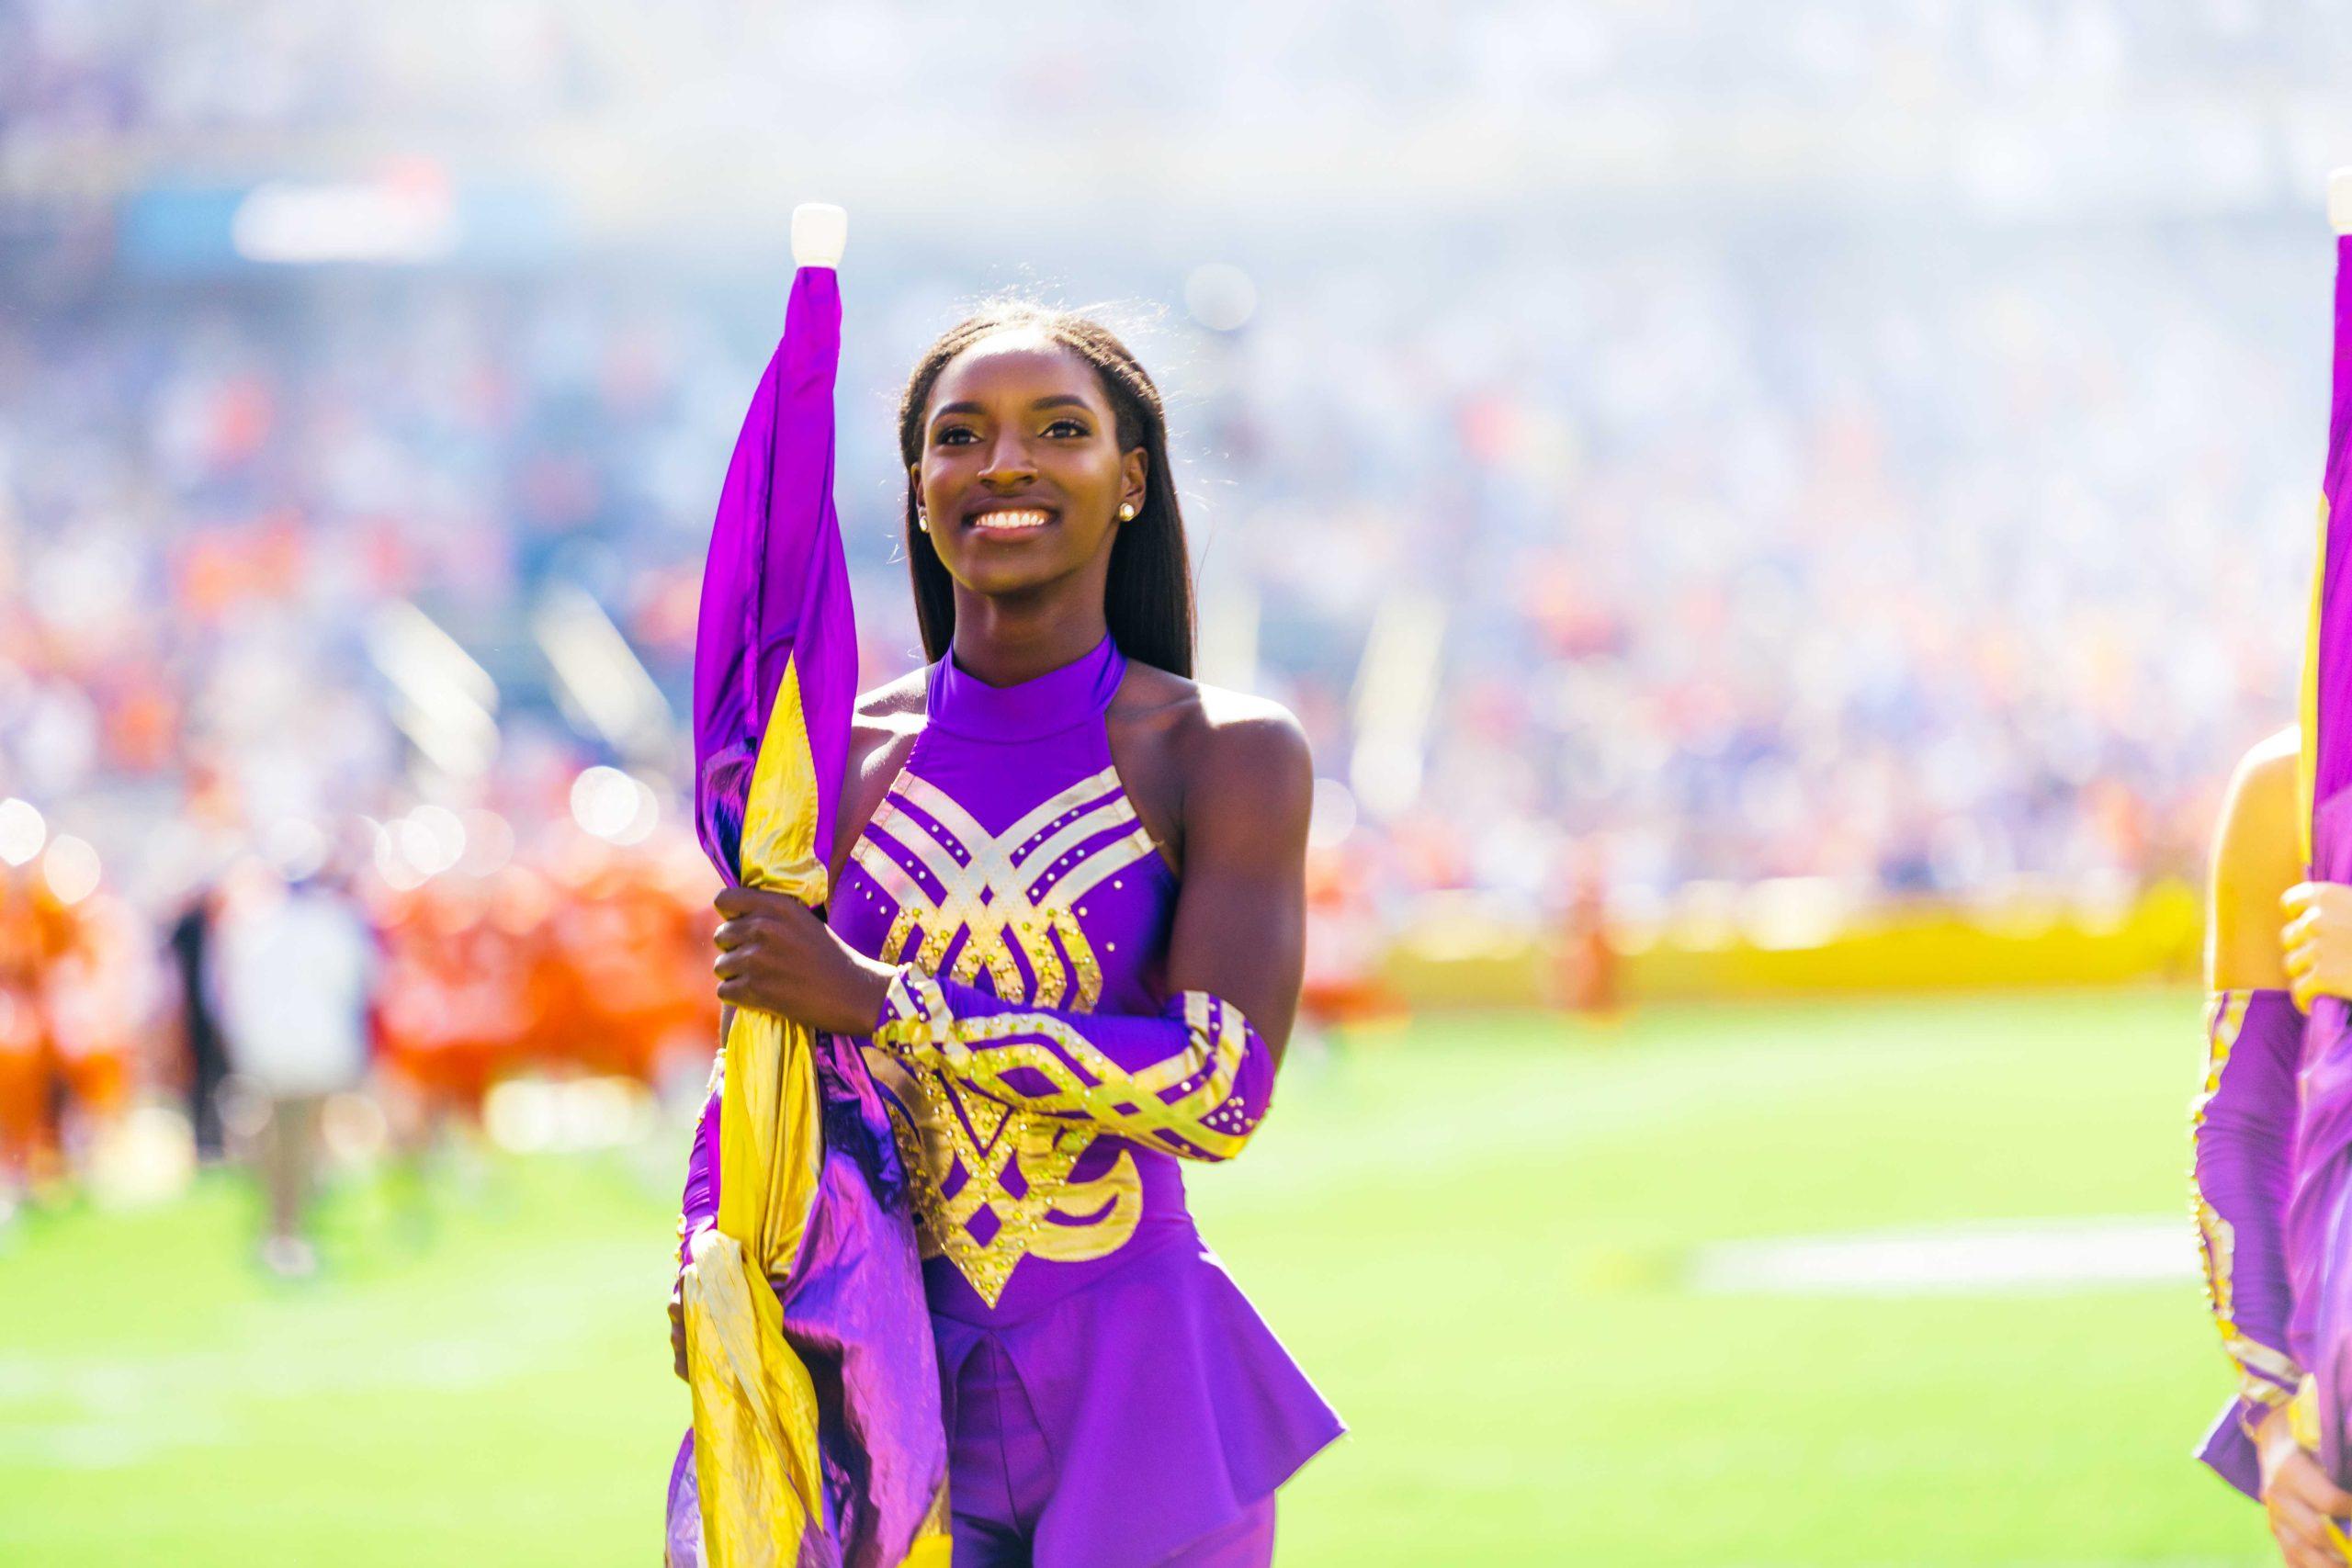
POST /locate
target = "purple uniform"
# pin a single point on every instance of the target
(1111, 1398)
(2244, 1124)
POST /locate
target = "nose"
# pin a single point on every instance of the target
(1009, 464)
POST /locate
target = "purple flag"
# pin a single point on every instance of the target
(817, 1440)
(2319, 1212)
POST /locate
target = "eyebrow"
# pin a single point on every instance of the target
(1059, 400)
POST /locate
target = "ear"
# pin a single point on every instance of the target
(1135, 467)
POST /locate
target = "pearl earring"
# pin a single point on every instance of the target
(922, 522)
(1127, 512)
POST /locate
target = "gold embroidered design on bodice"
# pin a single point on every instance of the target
(991, 1182)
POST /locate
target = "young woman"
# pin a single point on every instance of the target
(2263, 980)
(1068, 912)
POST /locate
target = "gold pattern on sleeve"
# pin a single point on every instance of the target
(1086, 1084)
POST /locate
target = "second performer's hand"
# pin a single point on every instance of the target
(2317, 940)
(776, 955)
(2300, 1502)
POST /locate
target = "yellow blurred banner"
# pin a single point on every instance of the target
(1792, 940)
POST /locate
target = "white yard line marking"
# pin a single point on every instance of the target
(2008, 1258)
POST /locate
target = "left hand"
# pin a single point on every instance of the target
(776, 955)
(2317, 940)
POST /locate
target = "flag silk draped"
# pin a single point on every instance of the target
(2319, 1227)
(817, 1436)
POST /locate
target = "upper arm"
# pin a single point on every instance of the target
(2257, 855)
(1240, 923)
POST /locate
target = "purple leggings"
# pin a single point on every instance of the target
(1001, 1479)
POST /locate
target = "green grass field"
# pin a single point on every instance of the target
(1473, 1235)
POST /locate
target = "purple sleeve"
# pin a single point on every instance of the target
(1194, 1080)
(2243, 1127)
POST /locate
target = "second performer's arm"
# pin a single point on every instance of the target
(2243, 1127)
(2242, 1132)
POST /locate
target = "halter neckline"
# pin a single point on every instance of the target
(958, 701)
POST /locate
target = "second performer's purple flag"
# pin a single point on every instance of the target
(2319, 1212)
(817, 1438)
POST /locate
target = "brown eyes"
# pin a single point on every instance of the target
(948, 435)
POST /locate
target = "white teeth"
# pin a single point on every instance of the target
(1010, 520)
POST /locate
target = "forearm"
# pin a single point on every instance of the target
(1194, 1080)
(2243, 1127)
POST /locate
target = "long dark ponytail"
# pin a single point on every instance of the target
(1147, 597)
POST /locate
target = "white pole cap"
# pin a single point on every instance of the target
(2339, 200)
(820, 231)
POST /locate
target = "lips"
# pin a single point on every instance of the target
(1008, 519)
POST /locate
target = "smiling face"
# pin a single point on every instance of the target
(1021, 474)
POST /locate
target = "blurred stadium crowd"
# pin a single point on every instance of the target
(1596, 544)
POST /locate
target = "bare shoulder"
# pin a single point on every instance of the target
(2257, 855)
(889, 706)
(1213, 731)
(2259, 824)
(885, 722)
(1254, 739)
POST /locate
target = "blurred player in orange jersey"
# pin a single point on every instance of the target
(633, 938)
(1344, 944)
(680, 1061)
(428, 1009)
(426, 1082)
(484, 986)
(514, 946)
(1587, 973)
(100, 998)
(27, 1144)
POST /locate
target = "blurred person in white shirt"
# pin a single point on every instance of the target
(293, 971)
